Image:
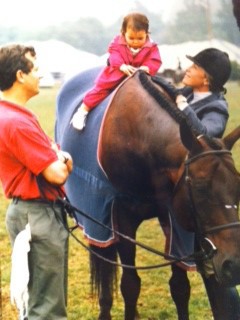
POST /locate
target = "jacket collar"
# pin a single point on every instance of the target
(148, 43)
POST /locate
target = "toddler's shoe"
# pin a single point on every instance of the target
(79, 119)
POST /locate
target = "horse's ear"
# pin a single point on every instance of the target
(231, 138)
(188, 137)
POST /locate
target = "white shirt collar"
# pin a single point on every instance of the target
(200, 95)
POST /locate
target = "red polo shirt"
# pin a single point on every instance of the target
(25, 151)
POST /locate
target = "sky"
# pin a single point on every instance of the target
(37, 13)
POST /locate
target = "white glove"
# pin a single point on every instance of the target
(181, 102)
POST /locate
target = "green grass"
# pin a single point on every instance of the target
(155, 302)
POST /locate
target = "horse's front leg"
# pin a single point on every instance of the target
(179, 283)
(180, 291)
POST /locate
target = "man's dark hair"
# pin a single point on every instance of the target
(12, 59)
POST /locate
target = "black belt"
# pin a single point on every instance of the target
(15, 200)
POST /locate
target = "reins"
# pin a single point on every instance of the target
(223, 227)
(71, 210)
(206, 153)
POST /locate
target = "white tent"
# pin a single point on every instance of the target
(172, 55)
(58, 57)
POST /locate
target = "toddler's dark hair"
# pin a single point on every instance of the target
(135, 21)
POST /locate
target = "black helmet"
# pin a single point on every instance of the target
(216, 63)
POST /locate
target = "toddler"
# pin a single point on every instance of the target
(129, 51)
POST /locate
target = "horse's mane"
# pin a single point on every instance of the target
(161, 99)
(171, 108)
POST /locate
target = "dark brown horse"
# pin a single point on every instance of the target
(143, 148)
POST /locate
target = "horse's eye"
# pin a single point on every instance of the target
(201, 185)
(201, 189)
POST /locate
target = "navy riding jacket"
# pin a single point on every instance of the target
(209, 115)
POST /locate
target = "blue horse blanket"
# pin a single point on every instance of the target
(88, 188)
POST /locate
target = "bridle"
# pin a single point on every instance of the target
(200, 233)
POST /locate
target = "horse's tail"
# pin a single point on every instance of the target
(103, 273)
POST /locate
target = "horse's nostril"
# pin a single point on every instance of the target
(230, 273)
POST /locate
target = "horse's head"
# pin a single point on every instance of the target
(207, 200)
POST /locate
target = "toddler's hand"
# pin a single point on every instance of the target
(127, 69)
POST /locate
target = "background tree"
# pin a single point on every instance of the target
(190, 24)
(225, 24)
(198, 20)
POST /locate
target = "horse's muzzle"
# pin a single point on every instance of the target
(229, 273)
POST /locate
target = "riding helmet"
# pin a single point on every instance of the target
(216, 63)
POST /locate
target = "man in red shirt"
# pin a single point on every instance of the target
(33, 171)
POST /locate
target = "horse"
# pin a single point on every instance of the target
(156, 164)
(173, 75)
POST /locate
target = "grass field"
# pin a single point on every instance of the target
(155, 302)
